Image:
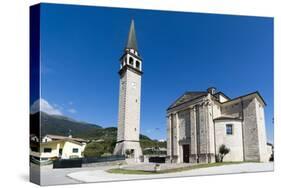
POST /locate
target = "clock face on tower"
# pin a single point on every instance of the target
(134, 85)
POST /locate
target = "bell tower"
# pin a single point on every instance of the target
(129, 100)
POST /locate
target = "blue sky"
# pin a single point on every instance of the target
(81, 47)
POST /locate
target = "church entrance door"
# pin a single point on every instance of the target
(185, 149)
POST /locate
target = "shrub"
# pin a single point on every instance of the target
(223, 150)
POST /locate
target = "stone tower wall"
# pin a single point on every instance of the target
(250, 128)
(132, 106)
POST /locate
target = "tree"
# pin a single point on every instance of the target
(97, 149)
(93, 150)
(128, 153)
(223, 150)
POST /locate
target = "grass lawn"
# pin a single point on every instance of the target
(125, 171)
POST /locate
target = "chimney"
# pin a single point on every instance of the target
(211, 90)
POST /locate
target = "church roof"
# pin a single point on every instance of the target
(227, 118)
(188, 96)
(132, 39)
(192, 95)
(253, 94)
(58, 137)
(221, 93)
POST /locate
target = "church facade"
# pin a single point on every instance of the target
(199, 122)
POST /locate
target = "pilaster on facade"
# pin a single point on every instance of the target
(177, 137)
(169, 137)
(207, 136)
(193, 139)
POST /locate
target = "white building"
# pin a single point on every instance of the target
(198, 123)
(129, 99)
(54, 146)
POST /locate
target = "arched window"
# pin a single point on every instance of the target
(131, 61)
(138, 64)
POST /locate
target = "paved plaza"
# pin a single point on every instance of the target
(102, 175)
(50, 176)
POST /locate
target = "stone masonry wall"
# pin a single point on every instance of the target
(261, 132)
(168, 133)
(193, 136)
(251, 141)
(175, 133)
(234, 110)
(202, 130)
(132, 106)
(121, 112)
(184, 130)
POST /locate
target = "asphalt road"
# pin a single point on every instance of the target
(46, 175)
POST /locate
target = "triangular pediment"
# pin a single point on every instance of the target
(188, 96)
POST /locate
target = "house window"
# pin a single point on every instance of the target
(229, 129)
(36, 149)
(75, 150)
(47, 150)
(60, 151)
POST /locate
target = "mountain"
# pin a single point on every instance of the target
(62, 125)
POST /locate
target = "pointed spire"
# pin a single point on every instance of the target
(132, 40)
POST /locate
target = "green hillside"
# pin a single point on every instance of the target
(61, 125)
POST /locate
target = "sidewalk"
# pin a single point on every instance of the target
(102, 175)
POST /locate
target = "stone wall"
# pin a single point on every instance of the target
(132, 106)
(121, 110)
(168, 133)
(261, 132)
(193, 136)
(184, 130)
(129, 114)
(184, 125)
(202, 133)
(172, 138)
(234, 110)
(211, 130)
(251, 139)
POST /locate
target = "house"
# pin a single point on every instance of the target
(34, 138)
(55, 146)
(50, 137)
(199, 122)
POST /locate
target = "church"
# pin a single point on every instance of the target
(199, 122)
